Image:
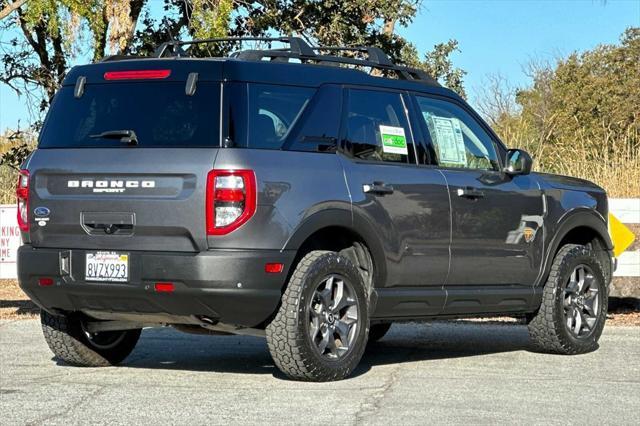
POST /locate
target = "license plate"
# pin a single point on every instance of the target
(107, 266)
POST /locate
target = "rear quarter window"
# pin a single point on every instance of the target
(161, 115)
(263, 115)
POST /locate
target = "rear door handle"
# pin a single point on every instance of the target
(470, 192)
(377, 188)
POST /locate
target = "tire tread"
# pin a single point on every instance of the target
(544, 329)
(288, 346)
(64, 337)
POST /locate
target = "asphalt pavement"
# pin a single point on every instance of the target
(434, 373)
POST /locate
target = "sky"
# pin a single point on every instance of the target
(496, 36)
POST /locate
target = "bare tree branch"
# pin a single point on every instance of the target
(10, 7)
(136, 9)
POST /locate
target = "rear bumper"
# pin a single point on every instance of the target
(230, 286)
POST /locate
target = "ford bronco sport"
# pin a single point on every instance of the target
(287, 193)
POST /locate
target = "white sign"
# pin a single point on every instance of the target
(449, 141)
(393, 140)
(9, 241)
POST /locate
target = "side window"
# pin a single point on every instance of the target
(376, 127)
(272, 111)
(457, 138)
(317, 128)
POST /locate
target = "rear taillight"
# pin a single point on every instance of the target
(22, 193)
(231, 200)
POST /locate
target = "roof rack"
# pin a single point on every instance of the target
(300, 50)
(112, 58)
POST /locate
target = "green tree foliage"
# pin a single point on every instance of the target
(55, 32)
(579, 117)
(326, 23)
(438, 63)
(592, 94)
(47, 35)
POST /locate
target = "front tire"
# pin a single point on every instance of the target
(320, 331)
(574, 304)
(70, 343)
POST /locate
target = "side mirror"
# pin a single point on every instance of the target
(518, 162)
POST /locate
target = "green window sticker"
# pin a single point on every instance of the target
(393, 140)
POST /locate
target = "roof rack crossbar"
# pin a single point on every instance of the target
(404, 73)
(302, 51)
(296, 44)
(375, 54)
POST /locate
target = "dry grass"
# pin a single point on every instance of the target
(613, 163)
(8, 178)
(14, 304)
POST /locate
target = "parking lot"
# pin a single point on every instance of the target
(420, 373)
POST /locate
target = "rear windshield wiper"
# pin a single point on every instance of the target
(126, 136)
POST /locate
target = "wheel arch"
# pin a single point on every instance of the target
(580, 226)
(343, 225)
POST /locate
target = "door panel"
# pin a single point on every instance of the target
(413, 221)
(408, 204)
(497, 233)
(497, 220)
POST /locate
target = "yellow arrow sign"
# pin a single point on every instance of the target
(621, 236)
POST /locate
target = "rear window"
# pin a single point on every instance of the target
(160, 114)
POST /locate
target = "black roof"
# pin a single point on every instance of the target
(299, 65)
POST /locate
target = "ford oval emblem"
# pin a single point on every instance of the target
(41, 212)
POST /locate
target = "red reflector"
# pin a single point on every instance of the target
(136, 74)
(45, 282)
(164, 287)
(229, 195)
(273, 268)
(22, 193)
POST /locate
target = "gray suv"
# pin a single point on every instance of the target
(286, 193)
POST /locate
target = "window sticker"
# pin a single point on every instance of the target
(449, 141)
(393, 140)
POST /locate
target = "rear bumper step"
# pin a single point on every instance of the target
(228, 285)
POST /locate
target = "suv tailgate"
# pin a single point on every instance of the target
(153, 199)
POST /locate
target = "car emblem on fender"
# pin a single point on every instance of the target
(529, 234)
(41, 211)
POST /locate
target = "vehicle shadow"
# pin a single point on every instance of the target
(169, 349)
(19, 306)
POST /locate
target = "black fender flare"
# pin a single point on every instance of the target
(581, 217)
(345, 219)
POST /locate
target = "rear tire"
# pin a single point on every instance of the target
(574, 304)
(70, 343)
(320, 331)
(378, 331)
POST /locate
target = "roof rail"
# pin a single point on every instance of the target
(300, 50)
(112, 58)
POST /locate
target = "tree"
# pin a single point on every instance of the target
(580, 115)
(594, 93)
(438, 64)
(55, 31)
(52, 32)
